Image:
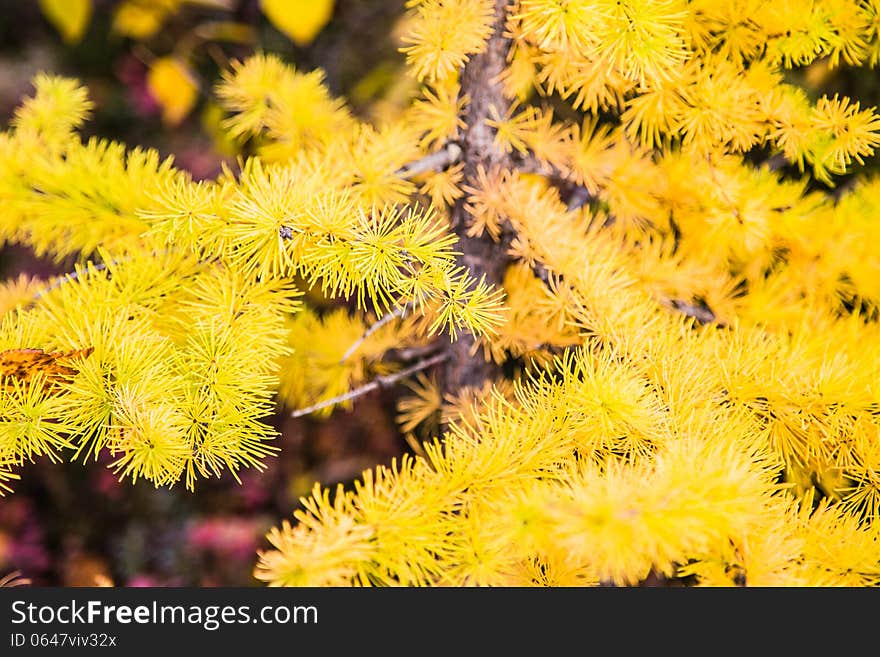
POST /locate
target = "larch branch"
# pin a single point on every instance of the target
(384, 381)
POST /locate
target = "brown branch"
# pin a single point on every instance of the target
(482, 256)
(416, 351)
(64, 278)
(398, 313)
(15, 578)
(384, 381)
(436, 161)
(574, 195)
(702, 314)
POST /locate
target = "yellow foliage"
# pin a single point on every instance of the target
(141, 19)
(290, 110)
(301, 20)
(443, 34)
(69, 17)
(690, 339)
(174, 87)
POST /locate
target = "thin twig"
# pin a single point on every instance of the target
(63, 278)
(580, 196)
(15, 578)
(95, 267)
(414, 352)
(776, 162)
(383, 381)
(436, 161)
(398, 313)
(541, 271)
(577, 195)
(702, 314)
(528, 163)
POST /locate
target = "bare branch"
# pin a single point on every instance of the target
(383, 381)
(575, 195)
(482, 256)
(414, 352)
(436, 161)
(528, 163)
(776, 162)
(75, 275)
(702, 314)
(63, 278)
(15, 578)
(398, 313)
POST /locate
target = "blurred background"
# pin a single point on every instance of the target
(150, 67)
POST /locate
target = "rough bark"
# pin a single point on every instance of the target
(479, 81)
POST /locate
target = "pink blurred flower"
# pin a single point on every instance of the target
(231, 537)
(22, 543)
(133, 74)
(142, 581)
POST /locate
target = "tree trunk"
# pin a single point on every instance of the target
(481, 255)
